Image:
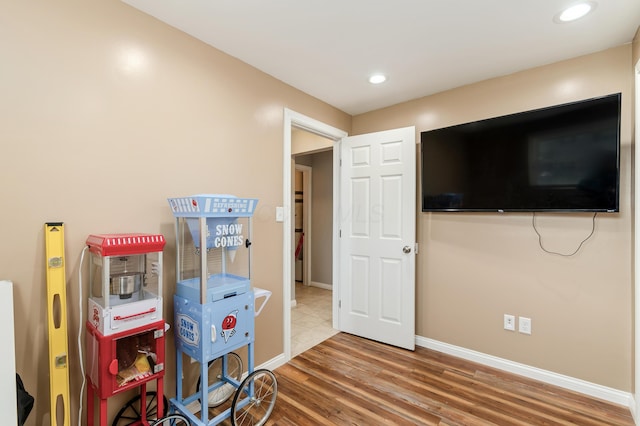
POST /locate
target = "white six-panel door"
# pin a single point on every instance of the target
(377, 236)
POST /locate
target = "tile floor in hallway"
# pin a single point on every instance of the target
(310, 318)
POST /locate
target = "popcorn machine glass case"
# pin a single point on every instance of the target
(125, 281)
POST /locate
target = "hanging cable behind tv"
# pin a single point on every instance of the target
(593, 228)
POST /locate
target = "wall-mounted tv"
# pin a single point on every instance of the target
(564, 158)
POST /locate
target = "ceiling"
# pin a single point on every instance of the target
(328, 48)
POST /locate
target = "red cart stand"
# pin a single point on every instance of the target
(124, 342)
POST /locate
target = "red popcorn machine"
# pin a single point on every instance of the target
(125, 329)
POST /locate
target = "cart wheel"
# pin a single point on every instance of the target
(130, 413)
(172, 420)
(224, 392)
(254, 400)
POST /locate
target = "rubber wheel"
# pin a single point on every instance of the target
(172, 420)
(130, 412)
(234, 370)
(254, 400)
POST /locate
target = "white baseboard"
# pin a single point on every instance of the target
(608, 394)
(273, 363)
(321, 285)
(615, 396)
(294, 303)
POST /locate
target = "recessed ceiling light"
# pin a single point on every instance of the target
(575, 11)
(377, 78)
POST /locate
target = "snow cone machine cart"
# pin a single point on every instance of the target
(214, 311)
(125, 329)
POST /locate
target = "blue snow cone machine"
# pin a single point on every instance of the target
(215, 309)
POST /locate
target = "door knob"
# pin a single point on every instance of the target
(406, 249)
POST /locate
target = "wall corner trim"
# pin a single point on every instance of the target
(592, 389)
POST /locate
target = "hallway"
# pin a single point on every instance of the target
(311, 318)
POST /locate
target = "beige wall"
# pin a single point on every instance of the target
(321, 214)
(106, 112)
(304, 142)
(322, 226)
(636, 47)
(473, 268)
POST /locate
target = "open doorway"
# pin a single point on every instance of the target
(312, 292)
(293, 122)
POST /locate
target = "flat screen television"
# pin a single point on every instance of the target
(564, 158)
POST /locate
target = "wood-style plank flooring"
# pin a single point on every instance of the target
(347, 380)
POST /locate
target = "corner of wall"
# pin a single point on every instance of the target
(635, 47)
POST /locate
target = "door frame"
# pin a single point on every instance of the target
(295, 119)
(635, 408)
(307, 208)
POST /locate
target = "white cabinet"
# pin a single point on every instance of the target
(8, 401)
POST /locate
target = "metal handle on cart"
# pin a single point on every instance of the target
(124, 317)
(258, 293)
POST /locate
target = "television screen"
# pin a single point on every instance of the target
(561, 158)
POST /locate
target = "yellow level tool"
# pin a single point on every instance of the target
(57, 316)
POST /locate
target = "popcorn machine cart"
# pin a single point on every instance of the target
(214, 311)
(124, 341)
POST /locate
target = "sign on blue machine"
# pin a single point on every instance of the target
(207, 331)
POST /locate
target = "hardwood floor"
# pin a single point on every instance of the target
(347, 380)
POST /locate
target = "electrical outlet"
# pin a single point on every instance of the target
(524, 325)
(509, 322)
